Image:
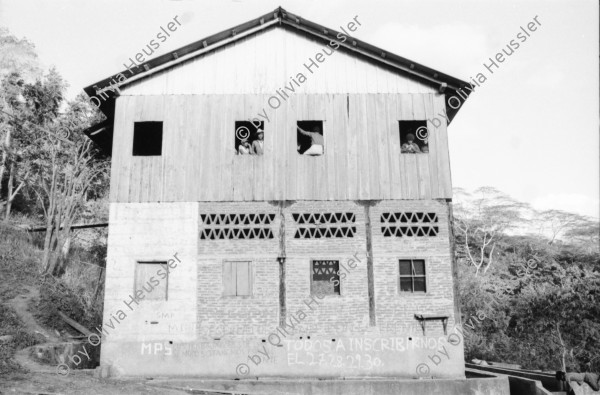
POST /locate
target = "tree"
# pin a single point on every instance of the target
(27, 110)
(586, 234)
(557, 222)
(481, 220)
(559, 312)
(537, 304)
(19, 65)
(63, 172)
(62, 181)
(18, 55)
(11, 99)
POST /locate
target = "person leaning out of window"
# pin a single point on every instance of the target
(316, 140)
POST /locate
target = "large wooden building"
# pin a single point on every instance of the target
(232, 255)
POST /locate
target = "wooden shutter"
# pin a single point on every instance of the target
(243, 279)
(237, 278)
(229, 278)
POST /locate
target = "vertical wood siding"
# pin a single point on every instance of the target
(198, 163)
(272, 59)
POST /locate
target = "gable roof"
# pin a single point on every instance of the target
(108, 88)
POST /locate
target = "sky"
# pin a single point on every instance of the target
(530, 130)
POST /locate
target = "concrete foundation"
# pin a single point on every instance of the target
(477, 386)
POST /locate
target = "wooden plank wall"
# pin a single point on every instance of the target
(270, 60)
(198, 163)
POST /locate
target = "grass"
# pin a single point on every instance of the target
(73, 293)
(56, 295)
(11, 325)
(18, 267)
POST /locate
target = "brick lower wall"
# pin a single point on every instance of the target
(198, 323)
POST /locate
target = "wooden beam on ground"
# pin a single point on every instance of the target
(75, 324)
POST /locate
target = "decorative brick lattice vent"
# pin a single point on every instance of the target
(324, 225)
(236, 226)
(409, 224)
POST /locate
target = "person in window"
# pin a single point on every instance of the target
(244, 148)
(425, 148)
(316, 140)
(258, 144)
(410, 147)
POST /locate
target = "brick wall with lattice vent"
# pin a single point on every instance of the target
(321, 230)
(409, 224)
(236, 226)
(324, 225)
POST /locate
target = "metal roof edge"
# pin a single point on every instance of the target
(109, 85)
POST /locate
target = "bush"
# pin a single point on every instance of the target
(56, 296)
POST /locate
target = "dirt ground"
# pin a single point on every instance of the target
(35, 378)
(44, 379)
(77, 382)
(19, 372)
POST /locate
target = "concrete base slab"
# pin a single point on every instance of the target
(475, 386)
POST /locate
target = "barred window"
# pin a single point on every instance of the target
(321, 279)
(412, 275)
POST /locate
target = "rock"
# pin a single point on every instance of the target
(102, 372)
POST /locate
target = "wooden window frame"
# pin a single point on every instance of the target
(250, 279)
(413, 276)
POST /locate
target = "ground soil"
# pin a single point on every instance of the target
(36, 378)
